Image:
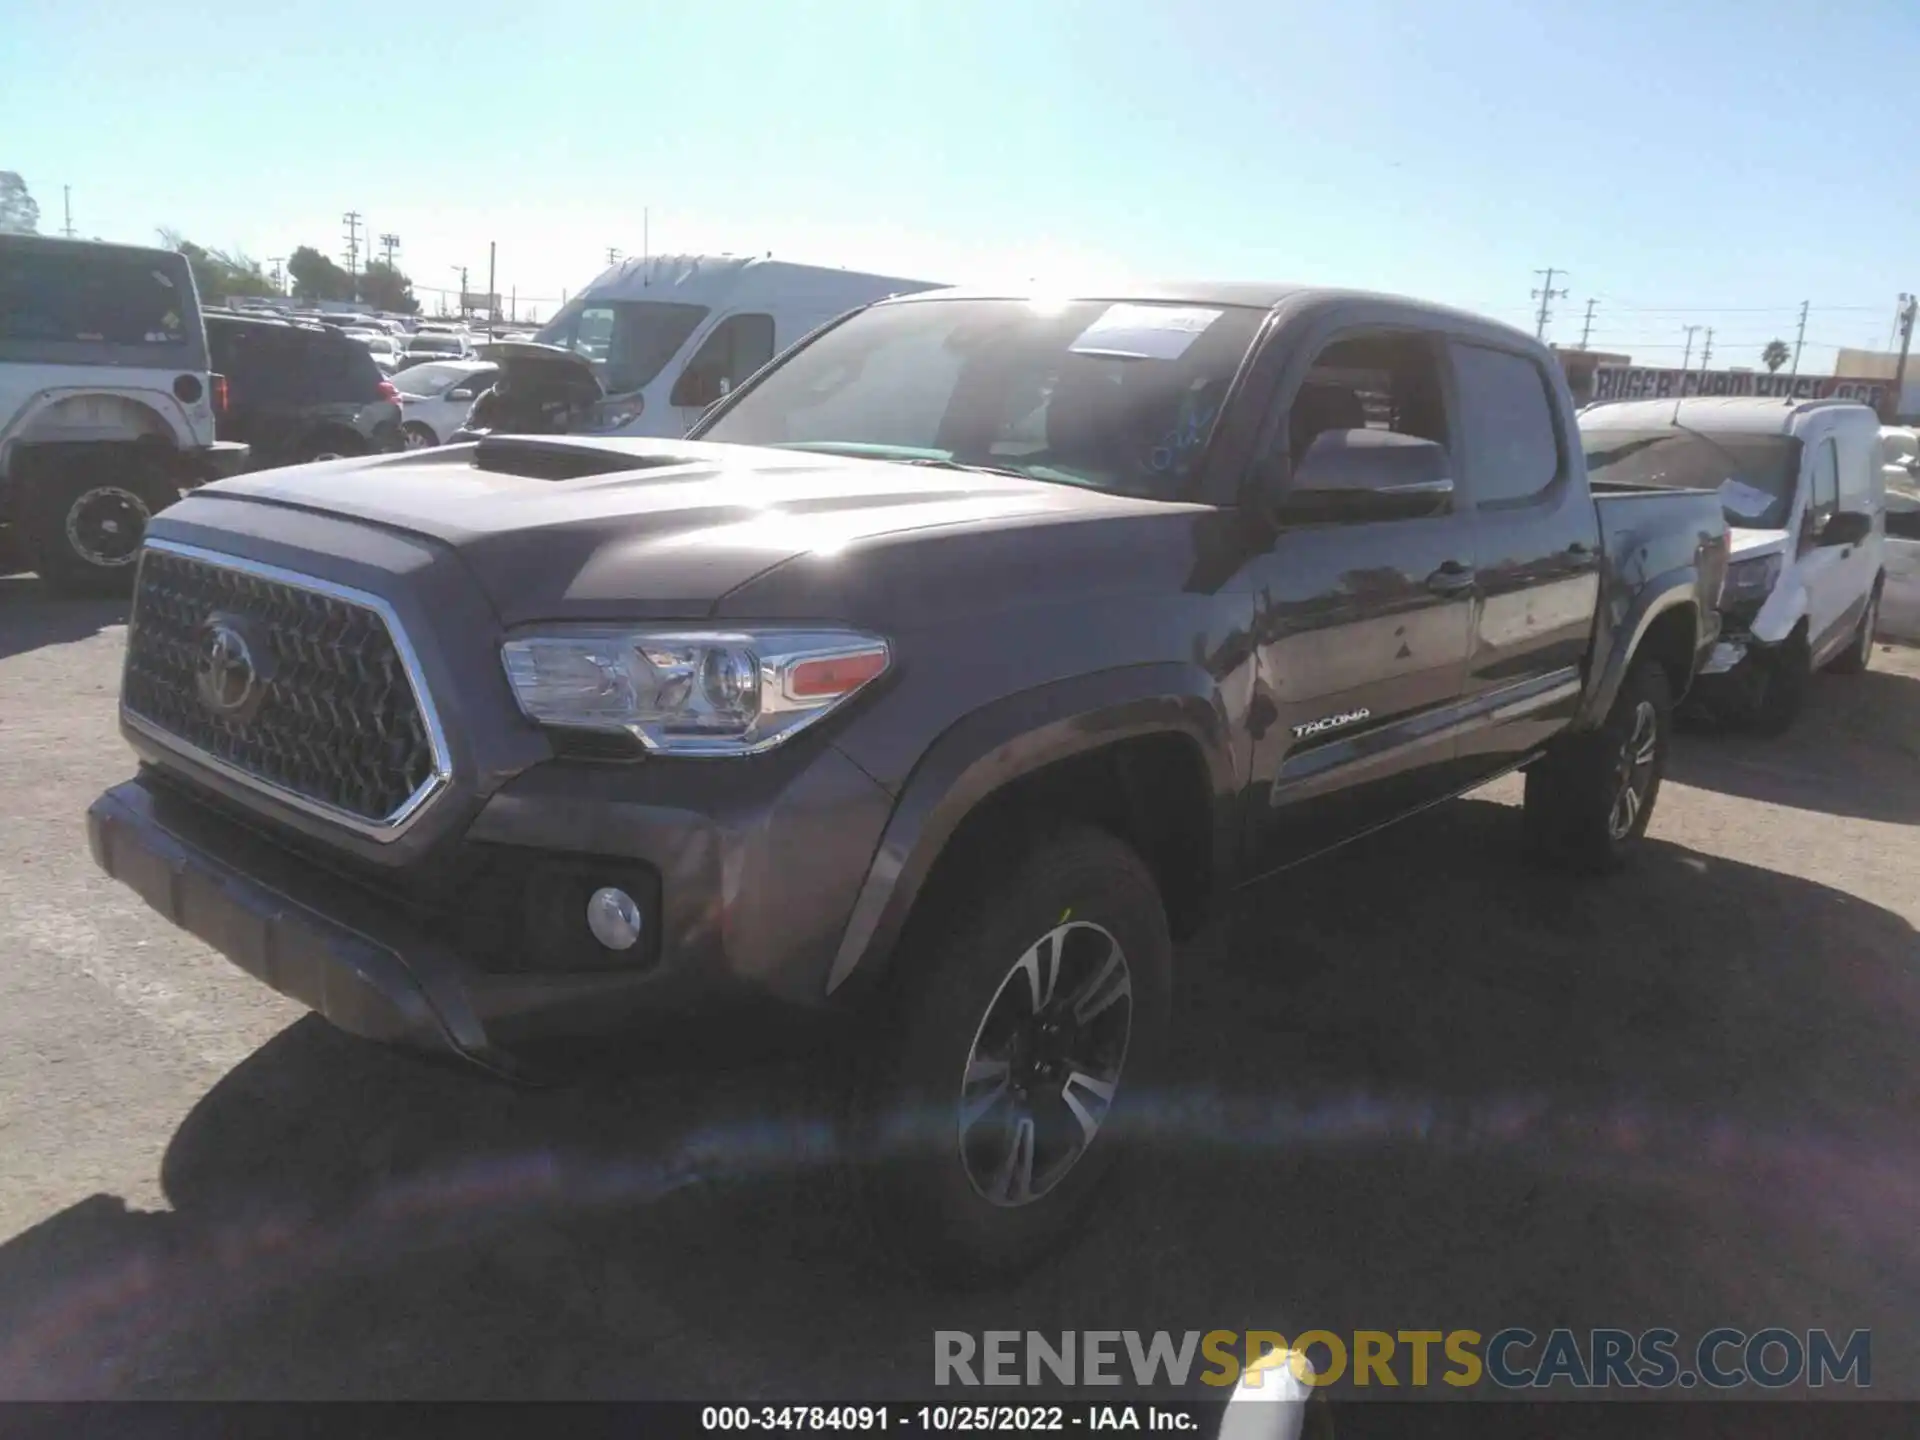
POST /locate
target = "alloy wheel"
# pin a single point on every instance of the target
(1633, 773)
(1045, 1063)
(106, 525)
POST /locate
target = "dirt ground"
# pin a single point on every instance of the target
(1420, 1084)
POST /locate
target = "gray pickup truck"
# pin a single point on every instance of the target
(936, 683)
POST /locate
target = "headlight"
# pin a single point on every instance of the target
(1749, 582)
(692, 692)
(612, 414)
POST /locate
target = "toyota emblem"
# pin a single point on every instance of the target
(225, 675)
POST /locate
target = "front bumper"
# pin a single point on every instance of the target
(389, 968)
(307, 935)
(218, 461)
(1735, 674)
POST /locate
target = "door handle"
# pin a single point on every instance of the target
(1451, 578)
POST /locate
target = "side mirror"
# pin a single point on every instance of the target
(1357, 475)
(1846, 527)
(462, 392)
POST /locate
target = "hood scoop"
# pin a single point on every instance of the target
(539, 458)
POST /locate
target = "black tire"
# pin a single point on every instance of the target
(926, 1184)
(1783, 688)
(1859, 652)
(416, 436)
(1577, 814)
(82, 522)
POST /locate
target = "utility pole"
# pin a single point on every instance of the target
(463, 290)
(279, 283)
(1799, 339)
(646, 245)
(613, 256)
(1687, 357)
(390, 244)
(1908, 304)
(1587, 329)
(66, 192)
(352, 221)
(1706, 354)
(493, 300)
(1546, 295)
(513, 306)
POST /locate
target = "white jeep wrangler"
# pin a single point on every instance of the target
(107, 408)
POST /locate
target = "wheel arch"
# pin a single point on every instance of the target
(1141, 751)
(1669, 612)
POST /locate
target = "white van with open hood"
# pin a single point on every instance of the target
(1806, 505)
(666, 337)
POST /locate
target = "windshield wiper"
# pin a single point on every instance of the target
(928, 462)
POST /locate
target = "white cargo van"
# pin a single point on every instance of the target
(1805, 497)
(668, 336)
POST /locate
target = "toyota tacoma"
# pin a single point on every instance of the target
(936, 683)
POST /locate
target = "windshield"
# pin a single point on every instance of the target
(1755, 474)
(1116, 396)
(627, 342)
(429, 379)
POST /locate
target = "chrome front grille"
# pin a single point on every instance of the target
(293, 685)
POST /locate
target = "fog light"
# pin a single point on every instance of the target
(614, 918)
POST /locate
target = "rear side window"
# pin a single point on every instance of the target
(1506, 419)
(84, 304)
(339, 370)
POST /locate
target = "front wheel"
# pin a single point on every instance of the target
(1030, 1009)
(1588, 803)
(83, 525)
(415, 436)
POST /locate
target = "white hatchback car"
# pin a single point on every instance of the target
(435, 398)
(1806, 505)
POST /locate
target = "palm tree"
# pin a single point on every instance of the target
(1775, 355)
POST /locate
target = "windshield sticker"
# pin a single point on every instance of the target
(1144, 332)
(1739, 498)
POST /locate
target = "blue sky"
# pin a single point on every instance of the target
(1710, 163)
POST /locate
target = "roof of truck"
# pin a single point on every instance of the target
(1248, 294)
(1749, 414)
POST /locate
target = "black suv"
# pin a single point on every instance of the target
(300, 392)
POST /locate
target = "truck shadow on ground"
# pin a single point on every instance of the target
(1419, 1085)
(30, 618)
(1855, 751)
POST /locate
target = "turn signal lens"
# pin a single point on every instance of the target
(834, 675)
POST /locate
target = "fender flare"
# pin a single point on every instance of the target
(147, 413)
(988, 749)
(1661, 594)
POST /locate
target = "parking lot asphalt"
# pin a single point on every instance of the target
(1420, 1084)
